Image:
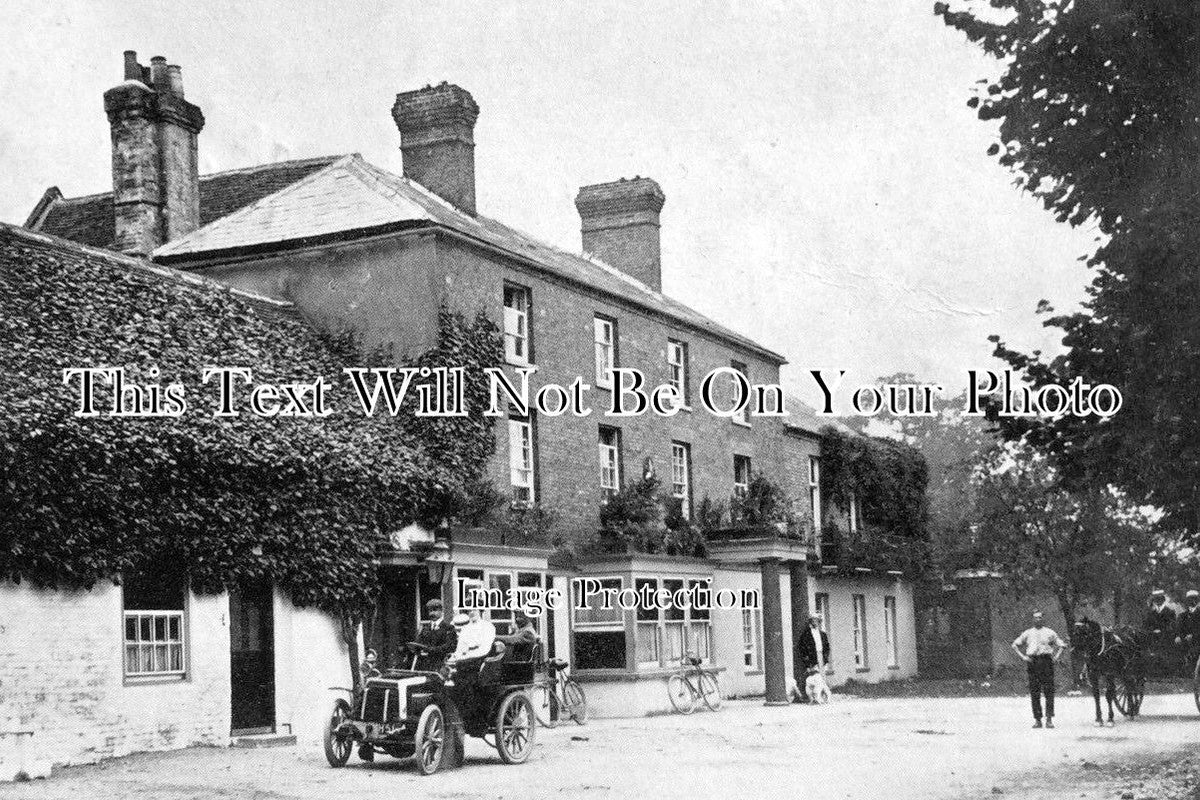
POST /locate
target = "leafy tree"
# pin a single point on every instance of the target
(1099, 119)
(1042, 537)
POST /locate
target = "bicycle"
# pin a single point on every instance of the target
(692, 683)
(558, 697)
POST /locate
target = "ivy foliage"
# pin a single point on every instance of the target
(888, 477)
(305, 503)
(637, 518)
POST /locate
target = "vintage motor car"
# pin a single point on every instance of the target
(424, 716)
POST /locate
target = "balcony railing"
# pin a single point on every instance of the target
(872, 550)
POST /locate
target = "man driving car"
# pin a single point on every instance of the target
(435, 642)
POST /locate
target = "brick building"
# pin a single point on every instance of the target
(352, 246)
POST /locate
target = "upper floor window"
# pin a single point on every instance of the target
(814, 491)
(677, 363)
(605, 337)
(516, 324)
(155, 635)
(741, 475)
(520, 460)
(855, 514)
(681, 477)
(735, 388)
(610, 461)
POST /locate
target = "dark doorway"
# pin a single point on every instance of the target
(402, 593)
(252, 658)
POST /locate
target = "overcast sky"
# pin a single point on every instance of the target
(827, 189)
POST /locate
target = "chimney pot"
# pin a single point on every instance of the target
(175, 76)
(156, 182)
(437, 141)
(133, 70)
(620, 226)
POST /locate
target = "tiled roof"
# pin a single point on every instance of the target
(89, 220)
(803, 417)
(351, 195)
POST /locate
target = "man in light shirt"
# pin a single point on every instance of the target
(1039, 647)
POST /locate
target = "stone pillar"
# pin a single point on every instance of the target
(774, 664)
(800, 612)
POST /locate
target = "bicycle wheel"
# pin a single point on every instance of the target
(575, 702)
(544, 702)
(710, 691)
(1196, 683)
(682, 697)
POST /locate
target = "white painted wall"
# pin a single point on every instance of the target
(840, 590)
(61, 678)
(310, 657)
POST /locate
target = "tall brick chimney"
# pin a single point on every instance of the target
(437, 141)
(155, 164)
(620, 226)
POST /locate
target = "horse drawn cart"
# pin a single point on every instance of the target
(424, 716)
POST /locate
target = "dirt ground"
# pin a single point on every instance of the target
(910, 747)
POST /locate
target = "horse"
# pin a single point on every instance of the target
(1107, 655)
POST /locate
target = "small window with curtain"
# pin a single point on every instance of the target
(154, 629)
(681, 477)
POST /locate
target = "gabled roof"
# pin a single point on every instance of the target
(89, 219)
(350, 195)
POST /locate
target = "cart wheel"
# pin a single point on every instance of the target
(430, 740)
(680, 694)
(544, 703)
(1196, 683)
(1130, 691)
(515, 726)
(337, 749)
(710, 691)
(576, 702)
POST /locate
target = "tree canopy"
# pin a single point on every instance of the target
(1099, 118)
(305, 503)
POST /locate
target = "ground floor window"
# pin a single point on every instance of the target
(889, 628)
(860, 631)
(752, 638)
(599, 630)
(155, 633)
(665, 635)
(502, 581)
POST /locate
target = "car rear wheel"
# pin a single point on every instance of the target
(337, 748)
(431, 740)
(515, 726)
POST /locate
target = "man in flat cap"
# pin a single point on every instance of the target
(437, 640)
